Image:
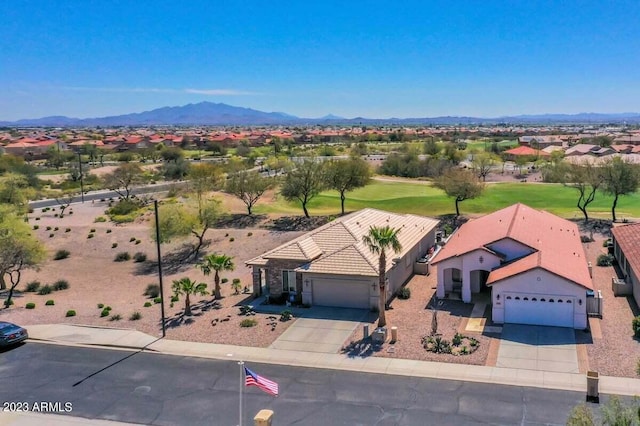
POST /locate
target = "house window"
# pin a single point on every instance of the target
(289, 281)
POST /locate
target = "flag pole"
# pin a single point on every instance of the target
(241, 364)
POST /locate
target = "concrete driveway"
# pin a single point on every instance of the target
(540, 348)
(321, 329)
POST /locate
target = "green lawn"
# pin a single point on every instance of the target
(425, 200)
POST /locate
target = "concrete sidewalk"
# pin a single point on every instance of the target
(131, 339)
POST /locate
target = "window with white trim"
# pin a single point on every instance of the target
(289, 281)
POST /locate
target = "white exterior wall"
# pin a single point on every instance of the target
(511, 248)
(466, 263)
(547, 285)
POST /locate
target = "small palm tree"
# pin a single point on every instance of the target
(217, 263)
(186, 287)
(379, 240)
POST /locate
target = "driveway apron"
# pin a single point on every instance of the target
(539, 348)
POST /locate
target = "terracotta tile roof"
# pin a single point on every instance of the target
(337, 247)
(628, 238)
(555, 241)
(525, 150)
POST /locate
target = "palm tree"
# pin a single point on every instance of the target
(379, 240)
(217, 263)
(186, 287)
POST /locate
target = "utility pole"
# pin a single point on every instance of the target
(155, 207)
(81, 178)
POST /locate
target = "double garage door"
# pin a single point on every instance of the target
(341, 293)
(538, 309)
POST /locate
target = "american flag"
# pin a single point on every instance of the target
(253, 379)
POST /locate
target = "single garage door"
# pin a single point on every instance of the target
(341, 293)
(538, 310)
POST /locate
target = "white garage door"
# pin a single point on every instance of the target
(341, 293)
(538, 310)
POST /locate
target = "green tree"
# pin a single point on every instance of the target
(431, 147)
(123, 179)
(248, 186)
(482, 164)
(15, 190)
(379, 240)
(303, 183)
(182, 220)
(204, 178)
(19, 249)
(172, 154)
(620, 177)
(347, 175)
(185, 287)
(460, 184)
(586, 179)
(216, 263)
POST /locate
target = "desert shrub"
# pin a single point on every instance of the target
(108, 308)
(132, 239)
(247, 310)
(231, 239)
(635, 324)
(157, 300)
(286, 315)
(67, 230)
(49, 303)
(37, 218)
(92, 231)
(226, 235)
(135, 316)
(30, 305)
(100, 219)
(114, 245)
(123, 256)
(138, 242)
(45, 289)
(108, 231)
(224, 280)
(606, 242)
(236, 286)
(100, 305)
(248, 322)
(174, 299)
(89, 236)
(71, 313)
(586, 239)
(249, 234)
(605, 260)
(139, 257)
(56, 228)
(147, 304)
(36, 227)
(104, 313)
(457, 339)
(48, 228)
(404, 293)
(61, 285)
(32, 286)
(51, 235)
(152, 291)
(61, 254)
(116, 317)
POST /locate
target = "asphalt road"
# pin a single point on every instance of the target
(170, 390)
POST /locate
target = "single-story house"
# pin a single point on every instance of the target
(331, 266)
(524, 151)
(532, 262)
(626, 249)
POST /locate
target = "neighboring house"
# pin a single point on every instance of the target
(331, 266)
(626, 249)
(540, 142)
(588, 149)
(532, 263)
(525, 151)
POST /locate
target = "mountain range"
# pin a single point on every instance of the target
(219, 114)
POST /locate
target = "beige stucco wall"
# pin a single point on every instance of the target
(466, 263)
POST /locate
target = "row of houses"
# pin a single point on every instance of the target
(531, 263)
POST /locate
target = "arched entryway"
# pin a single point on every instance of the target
(478, 279)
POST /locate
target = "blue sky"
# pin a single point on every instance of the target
(88, 58)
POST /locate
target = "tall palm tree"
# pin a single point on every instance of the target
(186, 287)
(217, 263)
(379, 240)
